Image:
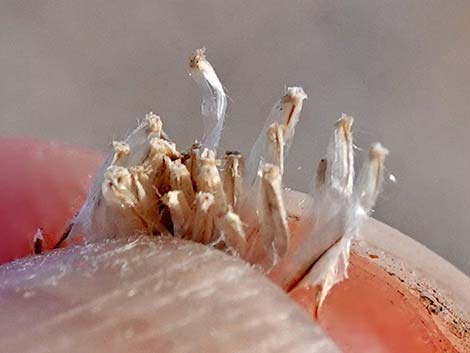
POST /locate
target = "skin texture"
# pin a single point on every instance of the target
(43, 185)
(148, 295)
(129, 295)
(136, 295)
(376, 310)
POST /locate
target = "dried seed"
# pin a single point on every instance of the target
(340, 156)
(276, 142)
(320, 179)
(286, 113)
(181, 213)
(121, 151)
(233, 170)
(272, 239)
(291, 106)
(38, 241)
(232, 229)
(203, 221)
(370, 179)
(154, 126)
(192, 163)
(332, 266)
(180, 179)
(274, 225)
(209, 180)
(214, 100)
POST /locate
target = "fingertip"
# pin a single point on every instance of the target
(148, 294)
(43, 185)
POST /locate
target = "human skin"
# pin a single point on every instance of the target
(399, 296)
(148, 295)
(123, 295)
(130, 295)
(376, 310)
(43, 186)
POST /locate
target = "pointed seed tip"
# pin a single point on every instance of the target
(296, 92)
(198, 56)
(38, 235)
(345, 122)
(377, 150)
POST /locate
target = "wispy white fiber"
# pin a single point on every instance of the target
(285, 114)
(214, 100)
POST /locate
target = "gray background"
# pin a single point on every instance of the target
(84, 71)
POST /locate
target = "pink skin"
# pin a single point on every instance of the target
(375, 310)
(43, 186)
(128, 295)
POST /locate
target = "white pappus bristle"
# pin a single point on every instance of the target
(214, 100)
(277, 135)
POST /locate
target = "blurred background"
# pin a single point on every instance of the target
(83, 72)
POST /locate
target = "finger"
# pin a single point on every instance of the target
(43, 185)
(398, 297)
(148, 295)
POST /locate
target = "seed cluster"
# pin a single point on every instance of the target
(150, 186)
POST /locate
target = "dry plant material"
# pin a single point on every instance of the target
(150, 186)
(38, 241)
